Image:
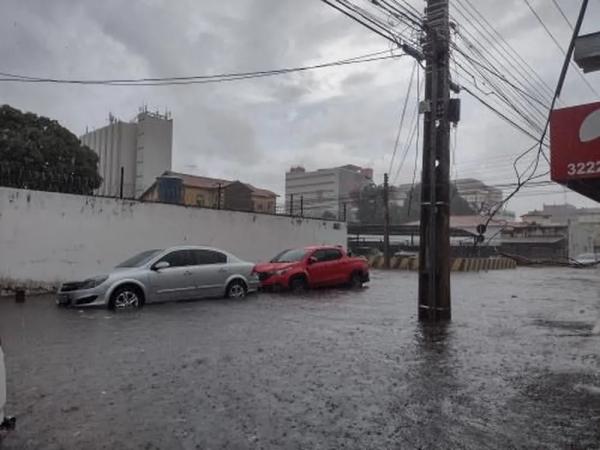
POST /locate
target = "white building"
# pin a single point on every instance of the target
(324, 191)
(142, 149)
(583, 225)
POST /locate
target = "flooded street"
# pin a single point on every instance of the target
(518, 367)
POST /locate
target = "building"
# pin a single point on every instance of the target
(536, 241)
(192, 190)
(553, 214)
(324, 192)
(480, 196)
(141, 150)
(556, 231)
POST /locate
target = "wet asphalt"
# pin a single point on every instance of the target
(518, 367)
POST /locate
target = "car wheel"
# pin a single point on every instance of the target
(298, 284)
(356, 281)
(236, 289)
(126, 297)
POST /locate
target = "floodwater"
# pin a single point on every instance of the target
(517, 367)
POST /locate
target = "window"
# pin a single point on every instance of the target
(333, 254)
(178, 258)
(320, 255)
(203, 257)
(200, 200)
(328, 254)
(140, 259)
(290, 255)
(259, 206)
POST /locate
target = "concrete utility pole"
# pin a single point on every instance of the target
(434, 249)
(386, 222)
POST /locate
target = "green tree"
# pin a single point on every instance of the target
(369, 203)
(411, 211)
(38, 153)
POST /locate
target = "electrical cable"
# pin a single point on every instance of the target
(549, 33)
(562, 13)
(401, 124)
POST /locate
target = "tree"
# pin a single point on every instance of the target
(369, 202)
(38, 153)
(411, 211)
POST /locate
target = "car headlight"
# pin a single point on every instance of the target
(93, 282)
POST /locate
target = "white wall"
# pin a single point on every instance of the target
(48, 237)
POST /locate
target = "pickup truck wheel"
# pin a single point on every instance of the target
(298, 285)
(356, 280)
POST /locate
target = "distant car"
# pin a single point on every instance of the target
(406, 254)
(366, 251)
(587, 259)
(6, 423)
(176, 273)
(310, 267)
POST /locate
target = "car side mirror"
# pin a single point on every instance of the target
(312, 260)
(161, 265)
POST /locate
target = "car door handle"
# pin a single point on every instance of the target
(223, 269)
(187, 272)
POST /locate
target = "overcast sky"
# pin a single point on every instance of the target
(254, 130)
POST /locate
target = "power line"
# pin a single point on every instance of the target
(401, 124)
(562, 13)
(549, 33)
(504, 55)
(500, 114)
(501, 77)
(414, 127)
(516, 105)
(557, 91)
(199, 79)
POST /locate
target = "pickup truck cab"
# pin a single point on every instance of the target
(312, 267)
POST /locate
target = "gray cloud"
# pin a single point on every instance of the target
(255, 129)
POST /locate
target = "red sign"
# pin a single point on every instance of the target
(575, 142)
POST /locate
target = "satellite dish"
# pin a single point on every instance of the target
(590, 127)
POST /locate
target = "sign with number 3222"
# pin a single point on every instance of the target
(575, 142)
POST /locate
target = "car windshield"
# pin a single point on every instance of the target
(140, 259)
(293, 255)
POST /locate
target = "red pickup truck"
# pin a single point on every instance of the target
(315, 266)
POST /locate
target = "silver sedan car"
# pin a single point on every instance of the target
(177, 273)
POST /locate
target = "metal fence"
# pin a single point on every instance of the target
(71, 183)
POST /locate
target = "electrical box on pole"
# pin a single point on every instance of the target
(434, 250)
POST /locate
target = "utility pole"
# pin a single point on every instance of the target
(121, 182)
(291, 204)
(434, 248)
(386, 222)
(219, 188)
(302, 206)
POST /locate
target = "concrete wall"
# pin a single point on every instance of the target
(47, 237)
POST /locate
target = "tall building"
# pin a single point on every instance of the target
(324, 191)
(142, 149)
